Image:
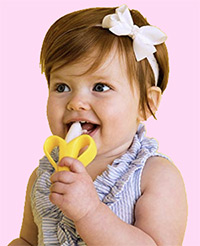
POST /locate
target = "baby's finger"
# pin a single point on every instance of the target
(56, 199)
(59, 188)
(65, 177)
(73, 164)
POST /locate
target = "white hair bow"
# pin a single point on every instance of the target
(144, 38)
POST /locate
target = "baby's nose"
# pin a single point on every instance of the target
(78, 103)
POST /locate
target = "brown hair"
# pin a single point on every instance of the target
(75, 35)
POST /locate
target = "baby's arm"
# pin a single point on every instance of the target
(162, 209)
(160, 213)
(28, 233)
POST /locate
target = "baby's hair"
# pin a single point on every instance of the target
(72, 37)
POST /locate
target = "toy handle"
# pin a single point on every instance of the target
(50, 143)
(80, 142)
(71, 149)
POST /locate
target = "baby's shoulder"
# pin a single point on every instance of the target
(29, 229)
(32, 180)
(33, 175)
(163, 203)
(160, 172)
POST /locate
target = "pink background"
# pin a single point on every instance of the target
(23, 95)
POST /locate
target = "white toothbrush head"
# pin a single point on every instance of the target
(74, 131)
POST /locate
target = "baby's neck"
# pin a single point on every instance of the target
(99, 165)
(102, 160)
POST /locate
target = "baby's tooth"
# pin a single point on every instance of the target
(84, 131)
(74, 131)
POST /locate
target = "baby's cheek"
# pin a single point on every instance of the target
(50, 107)
(55, 116)
(50, 113)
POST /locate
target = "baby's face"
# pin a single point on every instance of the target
(102, 101)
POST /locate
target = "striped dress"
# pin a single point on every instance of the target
(118, 187)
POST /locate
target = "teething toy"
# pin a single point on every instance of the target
(71, 148)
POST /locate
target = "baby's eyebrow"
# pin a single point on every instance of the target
(98, 76)
(64, 76)
(56, 76)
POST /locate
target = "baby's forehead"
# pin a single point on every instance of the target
(91, 64)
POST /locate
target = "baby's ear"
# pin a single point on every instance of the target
(154, 97)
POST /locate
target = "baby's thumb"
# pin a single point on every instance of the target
(73, 164)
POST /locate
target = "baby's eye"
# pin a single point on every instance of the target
(100, 87)
(62, 88)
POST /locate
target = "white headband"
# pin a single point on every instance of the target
(144, 38)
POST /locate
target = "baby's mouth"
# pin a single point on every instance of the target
(87, 127)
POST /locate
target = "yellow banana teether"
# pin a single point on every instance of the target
(71, 149)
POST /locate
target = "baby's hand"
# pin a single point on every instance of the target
(73, 191)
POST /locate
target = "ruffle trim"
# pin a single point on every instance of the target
(59, 230)
(111, 183)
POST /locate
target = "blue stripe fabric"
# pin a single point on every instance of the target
(118, 187)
